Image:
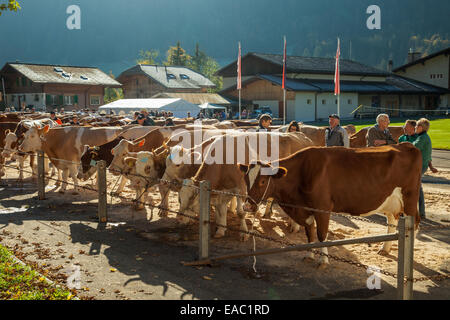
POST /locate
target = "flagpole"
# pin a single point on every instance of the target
(284, 81)
(239, 85)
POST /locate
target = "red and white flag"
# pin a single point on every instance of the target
(284, 64)
(337, 87)
(239, 78)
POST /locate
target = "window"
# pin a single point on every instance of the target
(13, 97)
(137, 82)
(335, 101)
(83, 77)
(308, 101)
(349, 101)
(324, 101)
(95, 100)
(171, 76)
(17, 82)
(184, 77)
(36, 97)
(68, 100)
(24, 82)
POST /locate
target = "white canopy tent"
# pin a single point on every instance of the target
(207, 105)
(178, 107)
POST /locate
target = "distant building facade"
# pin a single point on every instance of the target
(433, 69)
(310, 87)
(45, 87)
(145, 81)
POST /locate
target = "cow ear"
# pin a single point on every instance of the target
(45, 129)
(7, 132)
(243, 167)
(140, 144)
(130, 162)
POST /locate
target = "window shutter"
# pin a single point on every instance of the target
(24, 82)
(61, 100)
(75, 99)
(18, 82)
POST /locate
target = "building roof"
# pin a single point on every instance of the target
(195, 98)
(422, 60)
(45, 73)
(173, 77)
(394, 85)
(299, 64)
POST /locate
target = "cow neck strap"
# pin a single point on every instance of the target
(265, 192)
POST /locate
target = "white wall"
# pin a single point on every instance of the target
(421, 72)
(303, 111)
(330, 106)
(29, 100)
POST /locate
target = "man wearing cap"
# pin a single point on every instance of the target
(148, 120)
(54, 118)
(335, 135)
(379, 134)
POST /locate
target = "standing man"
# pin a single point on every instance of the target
(409, 129)
(335, 135)
(379, 134)
(54, 118)
(423, 143)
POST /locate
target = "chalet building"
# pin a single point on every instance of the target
(145, 81)
(433, 69)
(310, 87)
(45, 87)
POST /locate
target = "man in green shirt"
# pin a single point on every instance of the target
(423, 143)
(409, 129)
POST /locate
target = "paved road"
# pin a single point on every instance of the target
(441, 158)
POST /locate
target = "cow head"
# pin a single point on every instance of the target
(176, 168)
(260, 186)
(89, 159)
(10, 144)
(32, 141)
(120, 151)
(188, 196)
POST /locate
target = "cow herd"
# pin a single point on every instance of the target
(245, 167)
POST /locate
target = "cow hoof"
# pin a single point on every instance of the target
(383, 252)
(218, 236)
(322, 266)
(244, 237)
(308, 259)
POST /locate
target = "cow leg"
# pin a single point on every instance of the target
(65, 175)
(140, 198)
(323, 221)
(242, 214)
(391, 229)
(310, 231)
(122, 183)
(221, 218)
(73, 171)
(33, 166)
(233, 205)
(164, 191)
(58, 182)
(268, 210)
(21, 165)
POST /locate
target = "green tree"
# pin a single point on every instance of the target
(177, 56)
(112, 94)
(207, 66)
(147, 56)
(11, 5)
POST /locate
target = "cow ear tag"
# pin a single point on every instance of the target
(144, 159)
(141, 143)
(93, 163)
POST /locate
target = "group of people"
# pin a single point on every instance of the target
(144, 118)
(415, 132)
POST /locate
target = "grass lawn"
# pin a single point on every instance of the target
(439, 129)
(18, 282)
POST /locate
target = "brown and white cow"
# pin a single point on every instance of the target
(15, 137)
(5, 128)
(220, 168)
(384, 180)
(64, 146)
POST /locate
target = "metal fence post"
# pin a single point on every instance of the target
(405, 258)
(102, 195)
(204, 226)
(41, 175)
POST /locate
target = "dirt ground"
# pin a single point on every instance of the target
(138, 255)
